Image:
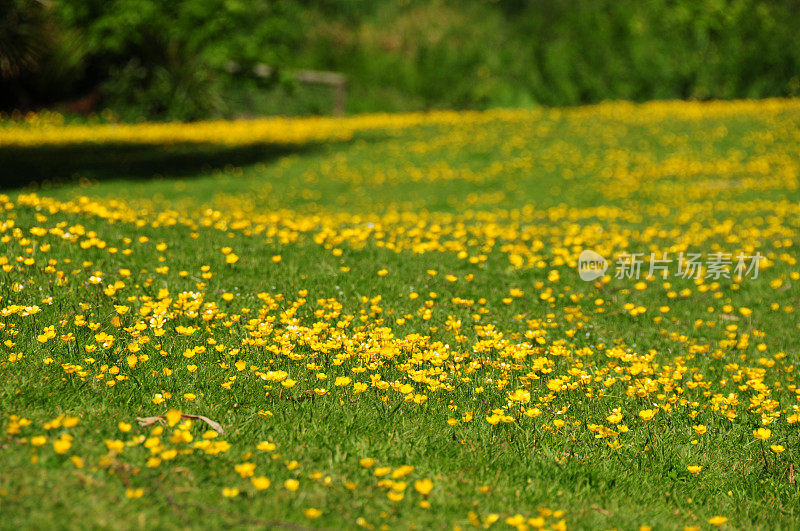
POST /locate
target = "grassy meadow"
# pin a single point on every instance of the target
(382, 318)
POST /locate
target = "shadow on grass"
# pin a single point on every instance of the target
(53, 165)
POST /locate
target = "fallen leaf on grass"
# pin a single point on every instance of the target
(149, 421)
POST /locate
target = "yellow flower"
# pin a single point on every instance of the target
(423, 486)
(231, 258)
(115, 445)
(777, 448)
(312, 513)
(367, 462)
(173, 416)
(62, 446)
(762, 433)
(230, 492)
(245, 469)
(647, 414)
(381, 471)
(169, 454)
(134, 493)
(402, 471)
(395, 496)
(291, 485)
(694, 469)
(717, 520)
(260, 482)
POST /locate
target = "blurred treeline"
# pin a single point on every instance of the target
(191, 59)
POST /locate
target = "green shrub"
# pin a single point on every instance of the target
(189, 59)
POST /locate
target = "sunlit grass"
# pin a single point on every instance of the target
(390, 328)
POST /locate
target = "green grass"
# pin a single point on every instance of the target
(541, 186)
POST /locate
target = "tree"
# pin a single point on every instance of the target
(26, 35)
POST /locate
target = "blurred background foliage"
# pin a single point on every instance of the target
(194, 59)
